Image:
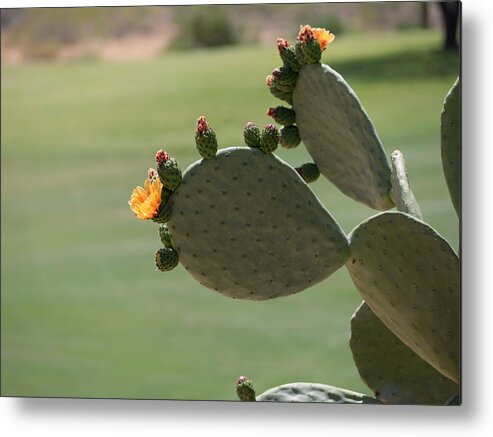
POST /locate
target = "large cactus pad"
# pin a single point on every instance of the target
(307, 392)
(409, 276)
(246, 225)
(340, 136)
(393, 371)
(451, 137)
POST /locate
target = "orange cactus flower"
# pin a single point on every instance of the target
(145, 202)
(323, 36)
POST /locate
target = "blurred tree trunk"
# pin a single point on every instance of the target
(450, 15)
(425, 22)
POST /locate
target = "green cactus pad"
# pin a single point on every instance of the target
(340, 136)
(289, 137)
(409, 276)
(401, 193)
(247, 226)
(308, 392)
(451, 136)
(170, 174)
(166, 259)
(393, 371)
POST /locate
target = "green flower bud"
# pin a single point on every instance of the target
(251, 134)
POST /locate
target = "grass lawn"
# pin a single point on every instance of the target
(83, 310)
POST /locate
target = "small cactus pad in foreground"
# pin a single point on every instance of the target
(205, 139)
(451, 136)
(244, 389)
(409, 277)
(340, 136)
(247, 226)
(401, 194)
(393, 371)
(307, 392)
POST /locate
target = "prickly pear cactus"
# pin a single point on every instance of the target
(401, 190)
(246, 225)
(393, 371)
(409, 276)
(331, 122)
(308, 392)
(451, 137)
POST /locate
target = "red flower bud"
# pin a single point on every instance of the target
(161, 156)
(202, 125)
(151, 174)
(306, 34)
(272, 112)
(282, 44)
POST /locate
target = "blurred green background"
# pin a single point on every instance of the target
(83, 310)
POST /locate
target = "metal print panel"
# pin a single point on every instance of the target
(253, 203)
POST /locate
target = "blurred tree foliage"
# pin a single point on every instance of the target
(205, 26)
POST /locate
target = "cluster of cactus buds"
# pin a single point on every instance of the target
(266, 140)
(153, 203)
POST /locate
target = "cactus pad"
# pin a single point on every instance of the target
(409, 277)
(307, 392)
(450, 135)
(247, 226)
(393, 371)
(402, 195)
(340, 136)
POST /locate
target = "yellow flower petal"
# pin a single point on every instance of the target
(323, 36)
(145, 202)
